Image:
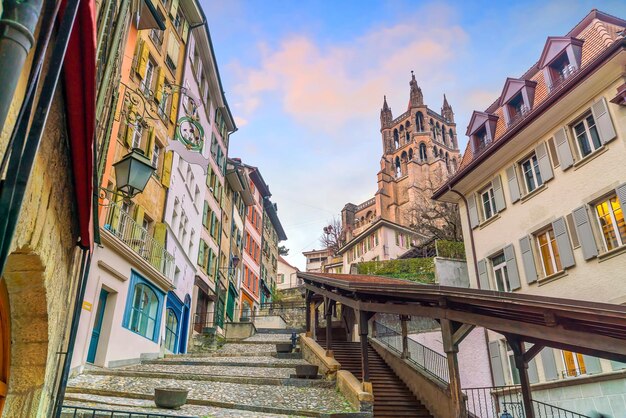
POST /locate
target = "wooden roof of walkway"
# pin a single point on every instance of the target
(597, 329)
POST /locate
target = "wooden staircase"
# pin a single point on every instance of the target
(392, 398)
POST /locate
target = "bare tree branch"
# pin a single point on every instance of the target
(331, 235)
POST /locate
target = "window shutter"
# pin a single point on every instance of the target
(592, 364)
(185, 31)
(549, 364)
(533, 377)
(138, 216)
(620, 191)
(563, 149)
(483, 278)
(473, 212)
(174, 108)
(618, 365)
(201, 254)
(603, 120)
(498, 194)
(585, 234)
(543, 160)
(511, 267)
(205, 212)
(511, 177)
(496, 363)
(174, 8)
(159, 233)
(142, 62)
(572, 230)
(150, 150)
(563, 243)
(158, 96)
(553, 154)
(167, 169)
(128, 137)
(528, 260)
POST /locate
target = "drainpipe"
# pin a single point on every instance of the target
(17, 28)
(471, 233)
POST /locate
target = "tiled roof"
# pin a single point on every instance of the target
(598, 34)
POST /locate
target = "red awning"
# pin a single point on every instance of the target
(79, 72)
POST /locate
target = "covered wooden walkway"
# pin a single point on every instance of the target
(595, 329)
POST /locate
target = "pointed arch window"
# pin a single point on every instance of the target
(396, 139)
(419, 122)
(398, 167)
(423, 155)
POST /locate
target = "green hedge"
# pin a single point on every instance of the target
(421, 270)
(450, 249)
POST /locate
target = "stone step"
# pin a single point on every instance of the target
(231, 361)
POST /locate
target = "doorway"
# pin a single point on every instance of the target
(97, 326)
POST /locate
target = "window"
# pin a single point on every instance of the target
(514, 372)
(488, 201)
(171, 330)
(146, 83)
(143, 310)
(587, 138)
(156, 155)
(549, 252)
(137, 135)
(611, 220)
(482, 139)
(500, 273)
(574, 364)
(531, 173)
(280, 279)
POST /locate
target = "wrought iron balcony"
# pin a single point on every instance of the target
(123, 227)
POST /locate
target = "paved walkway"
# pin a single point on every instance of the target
(245, 394)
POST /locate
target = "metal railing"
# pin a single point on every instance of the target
(420, 356)
(68, 411)
(123, 227)
(281, 305)
(497, 402)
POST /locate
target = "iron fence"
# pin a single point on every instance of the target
(68, 411)
(506, 402)
(420, 356)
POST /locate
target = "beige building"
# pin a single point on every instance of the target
(286, 278)
(315, 259)
(545, 164)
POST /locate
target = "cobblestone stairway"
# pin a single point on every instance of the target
(239, 380)
(391, 396)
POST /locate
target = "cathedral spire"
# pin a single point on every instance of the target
(385, 114)
(417, 99)
(446, 111)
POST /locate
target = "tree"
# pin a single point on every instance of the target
(282, 250)
(331, 236)
(434, 219)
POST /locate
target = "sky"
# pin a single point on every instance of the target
(305, 82)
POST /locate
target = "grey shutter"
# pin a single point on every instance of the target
(473, 212)
(603, 120)
(563, 149)
(618, 365)
(498, 194)
(528, 260)
(511, 177)
(592, 364)
(585, 234)
(620, 191)
(496, 363)
(511, 267)
(549, 364)
(562, 242)
(532, 367)
(543, 160)
(483, 278)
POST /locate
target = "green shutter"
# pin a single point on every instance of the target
(201, 253)
(205, 213)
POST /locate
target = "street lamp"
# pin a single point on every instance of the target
(132, 173)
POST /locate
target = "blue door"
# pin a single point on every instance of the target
(97, 326)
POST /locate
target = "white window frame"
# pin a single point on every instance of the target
(534, 171)
(502, 269)
(146, 83)
(137, 135)
(583, 120)
(491, 201)
(611, 214)
(546, 232)
(156, 154)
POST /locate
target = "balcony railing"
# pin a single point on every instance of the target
(420, 356)
(496, 402)
(123, 227)
(517, 117)
(565, 74)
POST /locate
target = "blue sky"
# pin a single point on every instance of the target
(305, 81)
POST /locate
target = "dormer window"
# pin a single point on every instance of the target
(481, 139)
(481, 131)
(517, 99)
(560, 59)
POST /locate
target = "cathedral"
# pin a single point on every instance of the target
(420, 152)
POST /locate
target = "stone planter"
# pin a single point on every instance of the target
(170, 398)
(306, 371)
(283, 348)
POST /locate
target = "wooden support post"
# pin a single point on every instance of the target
(451, 349)
(521, 362)
(328, 311)
(405, 336)
(363, 331)
(307, 302)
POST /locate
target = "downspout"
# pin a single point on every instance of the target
(471, 233)
(17, 29)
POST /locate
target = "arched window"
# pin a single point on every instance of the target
(408, 137)
(443, 135)
(410, 154)
(419, 122)
(435, 152)
(398, 167)
(437, 131)
(171, 330)
(396, 139)
(448, 162)
(431, 124)
(454, 165)
(144, 310)
(451, 135)
(423, 156)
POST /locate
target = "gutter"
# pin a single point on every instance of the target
(582, 75)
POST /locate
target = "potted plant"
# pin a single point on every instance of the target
(170, 398)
